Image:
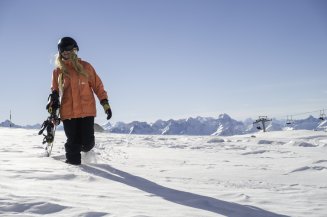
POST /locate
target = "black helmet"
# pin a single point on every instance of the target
(66, 44)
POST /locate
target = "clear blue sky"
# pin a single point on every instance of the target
(161, 59)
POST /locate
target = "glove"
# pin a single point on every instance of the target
(53, 102)
(106, 107)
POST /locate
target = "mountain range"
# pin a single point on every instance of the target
(223, 125)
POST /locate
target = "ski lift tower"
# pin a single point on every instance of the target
(263, 120)
(10, 119)
(322, 115)
(289, 121)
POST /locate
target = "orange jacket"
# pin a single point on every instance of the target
(77, 98)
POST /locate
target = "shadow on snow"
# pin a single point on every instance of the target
(176, 196)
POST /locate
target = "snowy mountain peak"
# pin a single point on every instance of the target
(8, 123)
(107, 126)
(224, 117)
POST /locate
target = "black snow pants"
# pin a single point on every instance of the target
(80, 137)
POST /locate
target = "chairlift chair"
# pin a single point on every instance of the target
(257, 125)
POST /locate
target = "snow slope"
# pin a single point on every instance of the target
(272, 174)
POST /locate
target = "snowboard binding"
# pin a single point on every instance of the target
(51, 122)
(50, 126)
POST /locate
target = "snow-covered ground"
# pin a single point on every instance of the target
(272, 174)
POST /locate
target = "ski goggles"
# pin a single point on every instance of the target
(66, 48)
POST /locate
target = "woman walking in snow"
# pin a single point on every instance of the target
(76, 82)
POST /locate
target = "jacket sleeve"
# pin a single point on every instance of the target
(54, 82)
(97, 84)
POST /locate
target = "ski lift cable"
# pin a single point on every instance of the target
(305, 113)
(299, 114)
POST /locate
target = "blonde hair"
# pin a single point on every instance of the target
(76, 64)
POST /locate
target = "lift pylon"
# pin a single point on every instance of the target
(262, 120)
(289, 120)
(322, 115)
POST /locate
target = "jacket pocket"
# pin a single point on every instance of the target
(86, 92)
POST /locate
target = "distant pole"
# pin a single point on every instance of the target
(10, 119)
